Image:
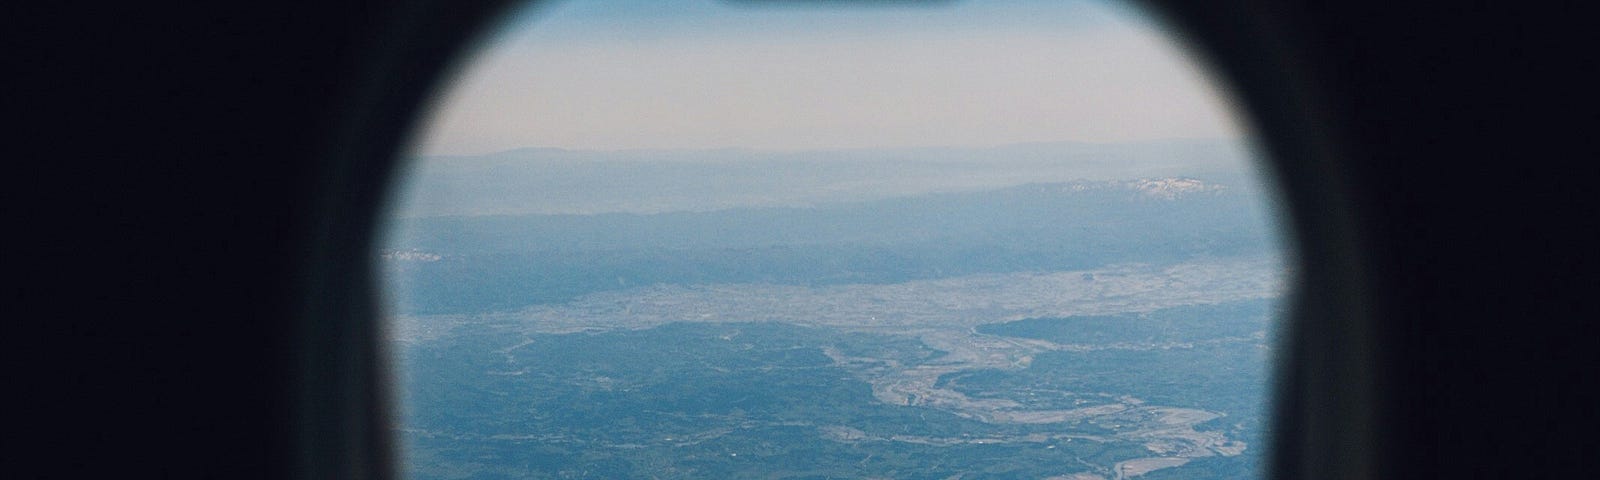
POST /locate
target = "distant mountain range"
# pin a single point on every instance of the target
(556, 181)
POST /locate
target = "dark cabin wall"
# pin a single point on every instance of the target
(192, 186)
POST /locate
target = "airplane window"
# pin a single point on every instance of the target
(696, 239)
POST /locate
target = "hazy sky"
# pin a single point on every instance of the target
(631, 74)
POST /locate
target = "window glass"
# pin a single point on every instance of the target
(694, 239)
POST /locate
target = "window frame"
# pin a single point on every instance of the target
(1324, 421)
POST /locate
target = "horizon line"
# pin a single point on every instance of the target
(1244, 140)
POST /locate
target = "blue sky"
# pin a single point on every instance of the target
(689, 74)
